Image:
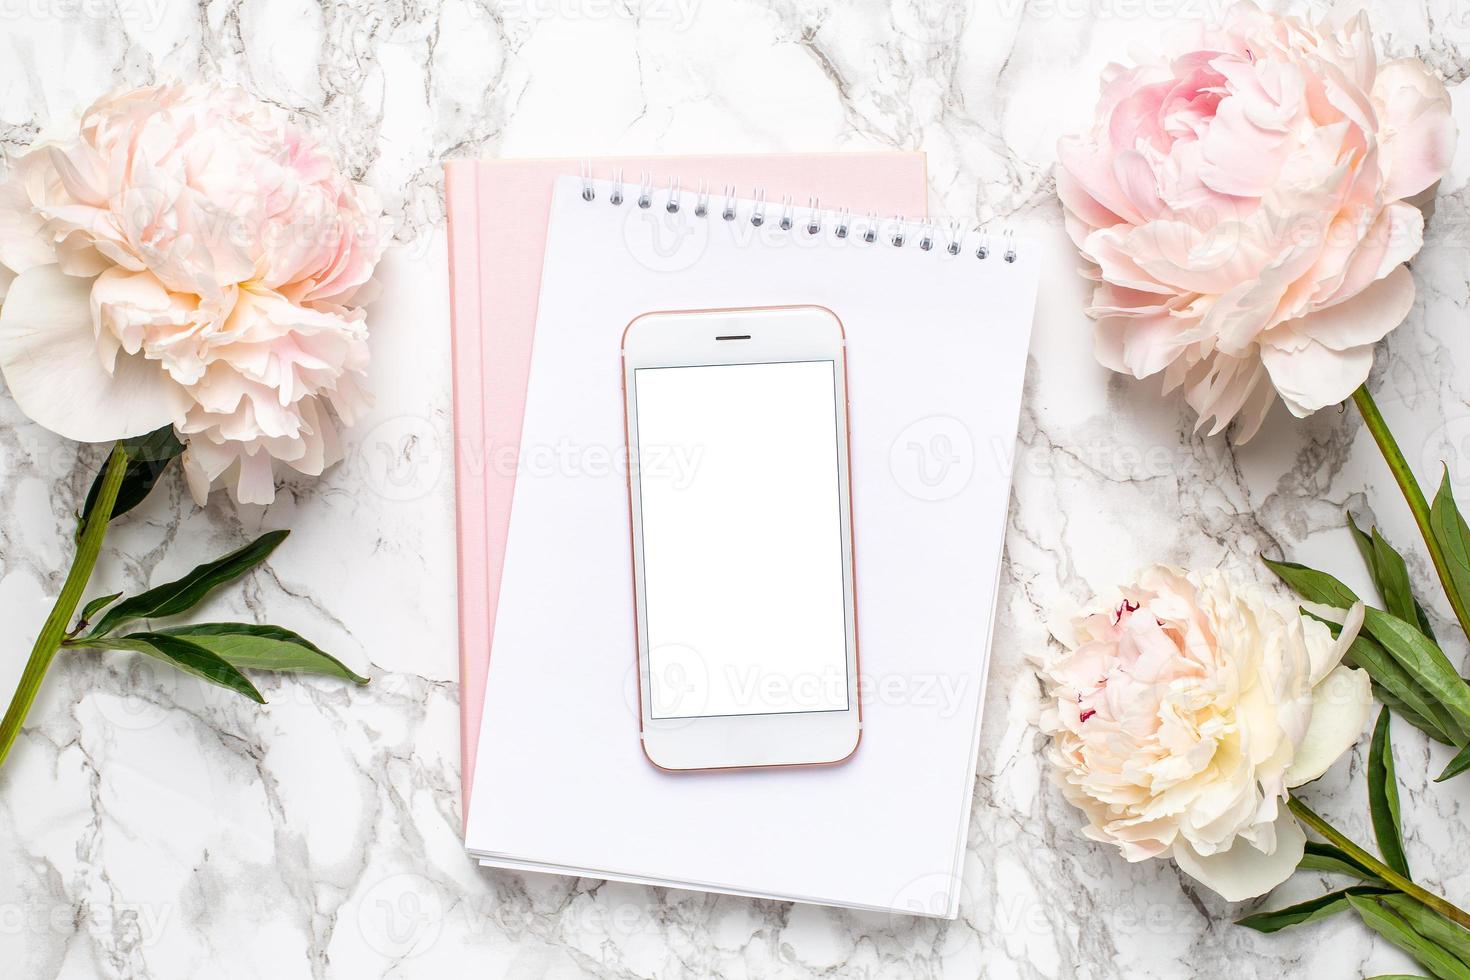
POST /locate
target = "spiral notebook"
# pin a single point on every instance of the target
(497, 215)
(938, 324)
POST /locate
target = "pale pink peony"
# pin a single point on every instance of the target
(192, 259)
(1242, 202)
(1181, 711)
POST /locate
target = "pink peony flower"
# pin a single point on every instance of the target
(1242, 204)
(1182, 710)
(192, 259)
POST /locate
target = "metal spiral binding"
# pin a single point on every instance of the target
(758, 216)
(867, 228)
(588, 193)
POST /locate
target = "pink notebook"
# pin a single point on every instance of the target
(497, 214)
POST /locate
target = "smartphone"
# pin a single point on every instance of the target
(741, 514)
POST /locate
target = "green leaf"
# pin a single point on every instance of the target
(1399, 976)
(1330, 859)
(153, 447)
(183, 654)
(1417, 653)
(1448, 528)
(1312, 585)
(1457, 765)
(175, 597)
(1401, 710)
(1434, 927)
(98, 603)
(1445, 694)
(1390, 574)
(1309, 911)
(1393, 582)
(1365, 547)
(1383, 797)
(1390, 678)
(148, 458)
(248, 646)
(1393, 928)
(1422, 658)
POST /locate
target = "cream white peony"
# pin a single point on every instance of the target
(1181, 712)
(195, 259)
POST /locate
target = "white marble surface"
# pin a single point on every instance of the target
(150, 827)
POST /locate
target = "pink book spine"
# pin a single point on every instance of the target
(461, 194)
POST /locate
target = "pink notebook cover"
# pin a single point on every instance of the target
(497, 217)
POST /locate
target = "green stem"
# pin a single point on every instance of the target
(1418, 505)
(1309, 817)
(54, 628)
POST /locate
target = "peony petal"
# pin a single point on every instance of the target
(195, 476)
(1144, 345)
(77, 256)
(1362, 319)
(1188, 259)
(1420, 134)
(1341, 705)
(1242, 157)
(1352, 625)
(1243, 312)
(1353, 260)
(82, 171)
(257, 483)
(48, 353)
(1314, 377)
(1253, 413)
(1079, 202)
(23, 243)
(1136, 179)
(1092, 171)
(1221, 387)
(1243, 872)
(1112, 250)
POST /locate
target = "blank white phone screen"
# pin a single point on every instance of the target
(741, 539)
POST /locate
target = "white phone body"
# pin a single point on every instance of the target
(741, 517)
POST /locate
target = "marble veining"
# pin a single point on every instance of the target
(153, 827)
